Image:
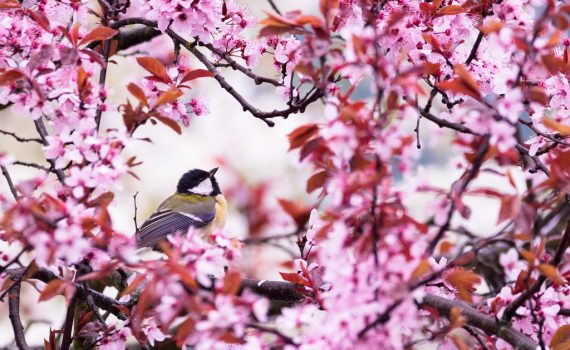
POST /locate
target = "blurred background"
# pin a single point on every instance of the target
(250, 156)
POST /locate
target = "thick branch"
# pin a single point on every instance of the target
(68, 326)
(14, 314)
(102, 301)
(484, 322)
(130, 38)
(280, 290)
(275, 290)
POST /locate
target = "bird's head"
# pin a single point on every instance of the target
(201, 182)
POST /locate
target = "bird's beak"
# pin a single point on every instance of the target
(213, 172)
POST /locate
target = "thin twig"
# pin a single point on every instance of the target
(258, 79)
(417, 131)
(9, 181)
(274, 7)
(266, 329)
(136, 209)
(102, 77)
(34, 165)
(469, 176)
(42, 131)
(473, 53)
(15, 259)
(261, 240)
(20, 139)
(264, 116)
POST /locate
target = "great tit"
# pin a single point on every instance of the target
(198, 202)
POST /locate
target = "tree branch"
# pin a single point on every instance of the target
(274, 7)
(42, 131)
(264, 116)
(18, 138)
(68, 326)
(9, 181)
(511, 309)
(14, 315)
(477, 162)
(236, 66)
(473, 53)
(34, 165)
(102, 301)
(275, 290)
(484, 322)
(286, 291)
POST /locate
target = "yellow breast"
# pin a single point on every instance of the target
(221, 212)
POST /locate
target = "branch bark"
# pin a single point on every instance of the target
(484, 322)
(14, 315)
(9, 181)
(477, 162)
(286, 291)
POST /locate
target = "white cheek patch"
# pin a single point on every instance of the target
(204, 188)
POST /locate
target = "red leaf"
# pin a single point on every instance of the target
(74, 34)
(195, 74)
(561, 338)
(301, 135)
(299, 213)
(57, 287)
(463, 281)
(40, 19)
(232, 283)
(10, 76)
(138, 93)
(317, 180)
(184, 330)
(170, 123)
(552, 273)
(168, 96)
(523, 282)
(463, 84)
(328, 6)
(131, 287)
(99, 34)
(156, 68)
(9, 4)
(450, 10)
(294, 277)
(292, 22)
(556, 126)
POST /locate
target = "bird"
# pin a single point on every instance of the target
(198, 202)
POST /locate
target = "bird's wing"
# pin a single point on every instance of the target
(166, 222)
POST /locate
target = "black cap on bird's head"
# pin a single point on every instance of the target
(197, 181)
